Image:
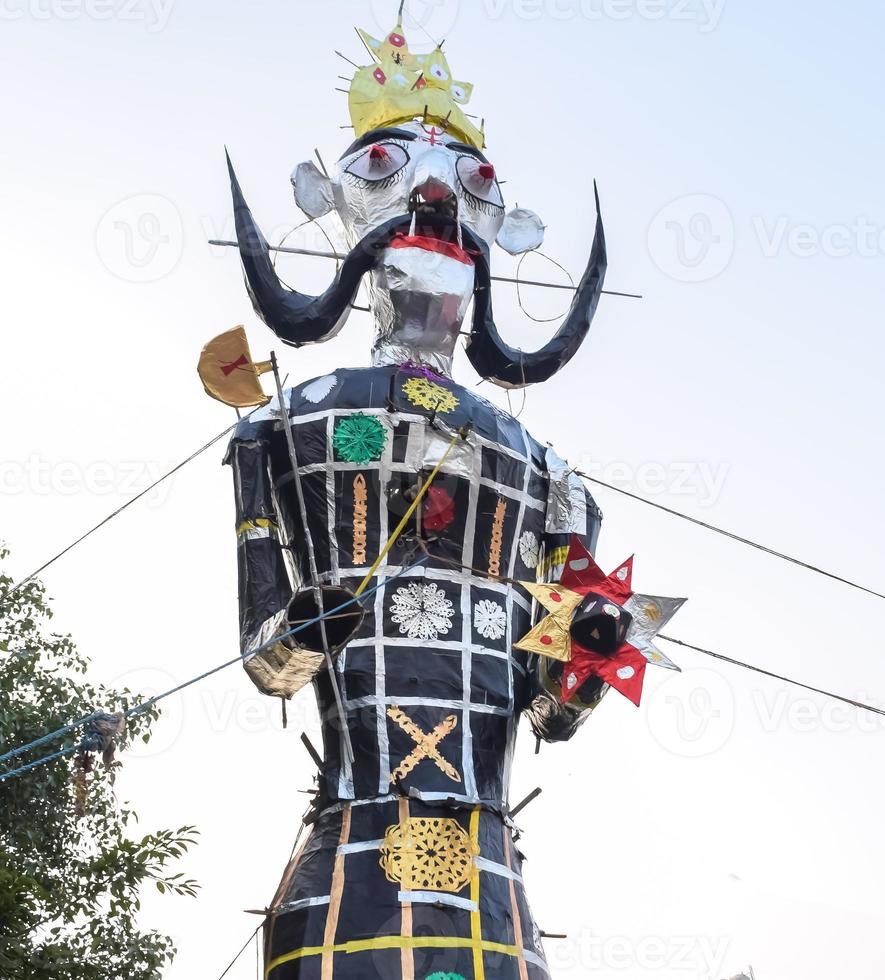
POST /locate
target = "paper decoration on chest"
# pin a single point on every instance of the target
(359, 439)
(598, 626)
(425, 745)
(360, 516)
(430, 395)
(429, 854)
(490, 619)
(497, 539)
(422, 611)
(319, 390)
(438, 511)
(529, 549)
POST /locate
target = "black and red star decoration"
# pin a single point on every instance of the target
(598, 626)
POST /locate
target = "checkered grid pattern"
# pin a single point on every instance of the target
(412, 444)
(436, 645)
(339, 917)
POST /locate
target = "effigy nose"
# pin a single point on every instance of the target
(435, 178)
(434, 191)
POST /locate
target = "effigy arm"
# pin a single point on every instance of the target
(278, 667)
(571, 511)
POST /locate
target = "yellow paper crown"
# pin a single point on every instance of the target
(401, 86)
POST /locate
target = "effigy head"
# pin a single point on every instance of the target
(441, 198)
(421, 207)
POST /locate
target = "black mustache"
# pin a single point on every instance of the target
(298, 319)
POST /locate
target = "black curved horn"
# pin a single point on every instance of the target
(295, 318)
(512, 368)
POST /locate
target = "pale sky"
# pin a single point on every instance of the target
(730, 821)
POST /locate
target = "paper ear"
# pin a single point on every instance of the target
(522, 231)
(313, 190)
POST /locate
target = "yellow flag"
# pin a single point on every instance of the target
(228, 372)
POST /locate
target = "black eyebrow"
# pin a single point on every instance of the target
(375, 136)
(466, 148)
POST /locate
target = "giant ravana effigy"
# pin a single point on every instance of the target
(467, 541)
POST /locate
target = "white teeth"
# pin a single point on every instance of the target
(414, 224)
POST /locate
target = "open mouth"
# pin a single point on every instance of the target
(434, 227)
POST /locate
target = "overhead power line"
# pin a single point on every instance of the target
(778, 677)
(340, 255)
(147, 705)
(236, 959)
(734, 537)
(166, 476)
(608, 486)
(615, 489)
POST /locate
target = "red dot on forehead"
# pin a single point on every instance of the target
(547, 640)
(556, 597)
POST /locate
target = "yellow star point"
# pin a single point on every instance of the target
(551, 636)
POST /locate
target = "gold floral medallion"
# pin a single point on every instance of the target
(430, 395)
(428, 854)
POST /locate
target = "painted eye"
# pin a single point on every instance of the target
(381, 161)
(480, 181)
(439, 73)
(459, 94)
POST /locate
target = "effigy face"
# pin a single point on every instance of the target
(380, 176)
(422, 286)
(443, 198)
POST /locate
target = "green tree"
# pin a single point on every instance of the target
(71, 868)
